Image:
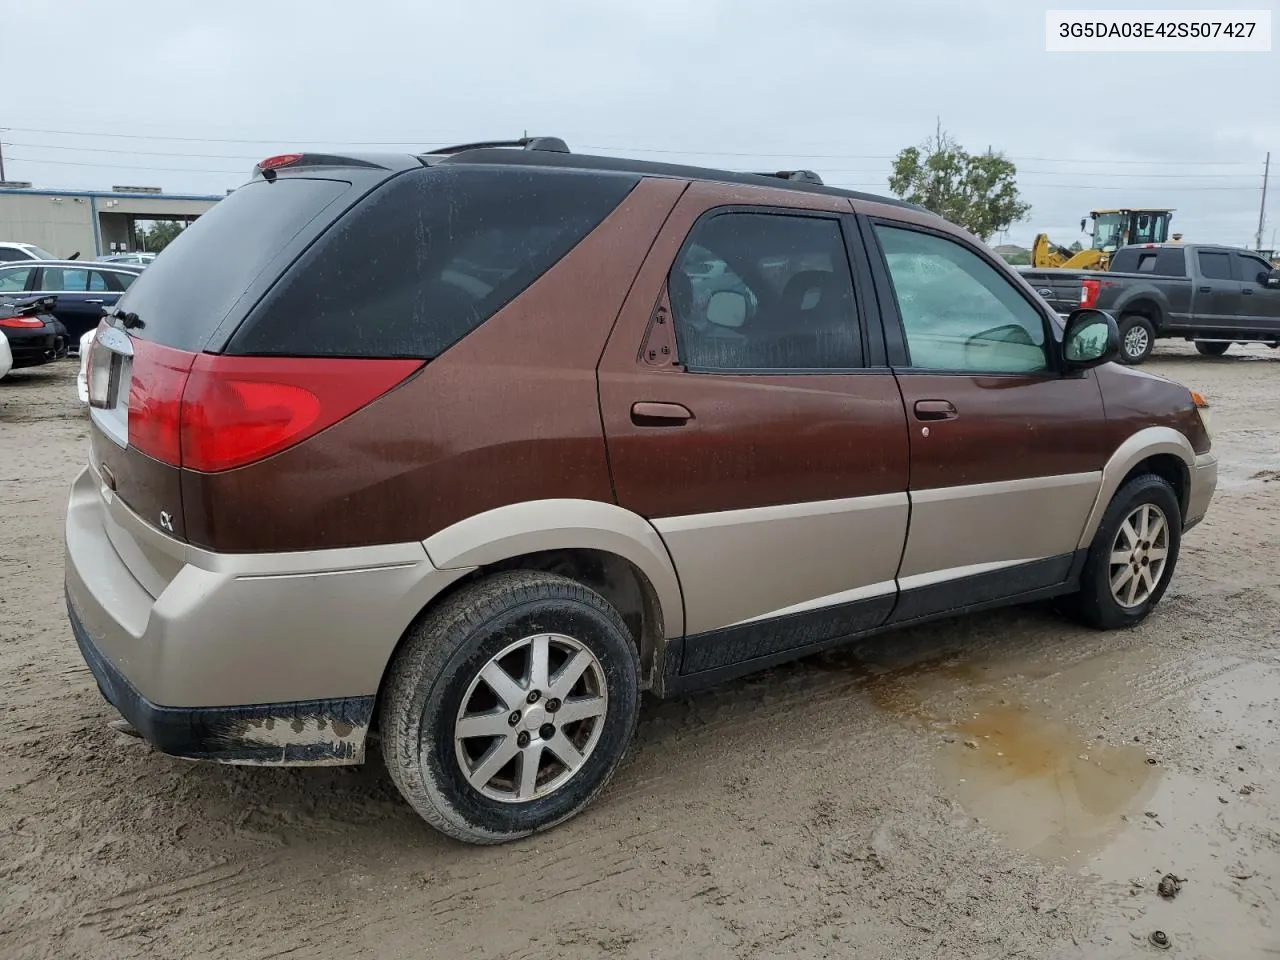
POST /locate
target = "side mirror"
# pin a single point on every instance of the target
(1272, 279)
(727, 308)
(1091, 338)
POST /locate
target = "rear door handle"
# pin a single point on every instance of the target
(93, 301)
(1206, 289)
(655, 414)
(1247, 291)
(935, 410)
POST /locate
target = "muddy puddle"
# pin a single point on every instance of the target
(1118, 811)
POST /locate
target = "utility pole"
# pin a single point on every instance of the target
(1262, 210)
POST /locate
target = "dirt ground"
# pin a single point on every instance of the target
(1006, 785)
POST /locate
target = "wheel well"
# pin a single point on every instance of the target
(616, 579)
(1171, 469)
(1144, 308)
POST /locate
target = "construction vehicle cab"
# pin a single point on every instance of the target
(1112, 229)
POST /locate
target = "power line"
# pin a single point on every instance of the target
(666, 151)
(122, 166)
(253, 157)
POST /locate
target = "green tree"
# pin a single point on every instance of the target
(159, 235)
(1076, 247)
(976, 191)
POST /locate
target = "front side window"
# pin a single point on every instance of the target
(1252, 269)
(764, 291)
(958, 312)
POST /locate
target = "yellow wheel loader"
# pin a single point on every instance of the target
(1112, 229)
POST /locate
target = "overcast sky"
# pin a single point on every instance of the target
(187, 96)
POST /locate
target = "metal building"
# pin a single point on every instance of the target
(91, 223)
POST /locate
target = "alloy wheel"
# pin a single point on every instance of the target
(530, 718)
(1138, 555)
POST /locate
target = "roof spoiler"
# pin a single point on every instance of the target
(805, 176)
(550, 144)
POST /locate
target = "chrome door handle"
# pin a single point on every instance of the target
(93, 301)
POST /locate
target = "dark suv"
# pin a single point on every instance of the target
(468, 449)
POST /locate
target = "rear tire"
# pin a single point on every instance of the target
(473, 733)
(1210, 348)
(1137, 338)
(1129, 567)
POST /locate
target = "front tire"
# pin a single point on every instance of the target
(1132, 557)
(1137, 338)
(508, 708)
(1211, 348)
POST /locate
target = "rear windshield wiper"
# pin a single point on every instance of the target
(130, 321)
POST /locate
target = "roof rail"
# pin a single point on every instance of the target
(807, 176)
(552, 144)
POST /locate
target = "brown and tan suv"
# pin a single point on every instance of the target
(466, 450)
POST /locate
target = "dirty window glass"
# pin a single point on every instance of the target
(427, 258)
(958, 312)
(755, 291)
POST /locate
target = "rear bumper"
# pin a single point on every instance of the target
(304, 732)
(249, 658)
(1204, 481)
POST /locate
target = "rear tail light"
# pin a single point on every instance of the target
(23, 323)
(1089, 292)
(155, 400)
(210, 413)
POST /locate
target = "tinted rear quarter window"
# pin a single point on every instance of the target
(183, 296)
(426, 258)
(1215, 266)
(1172, 262)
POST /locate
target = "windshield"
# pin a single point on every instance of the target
(40, 253)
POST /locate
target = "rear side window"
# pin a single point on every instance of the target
(426, 259)
(1215, 266)
(764, 291)
(1171, 262)
(14, 280)
(183, 296)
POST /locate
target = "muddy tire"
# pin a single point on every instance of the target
(1132, 557)
(1137, 338)
(1210, 348)
(508, 708)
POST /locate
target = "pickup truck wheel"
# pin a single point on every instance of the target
(508, 707)
(1132, 557)
(1137, 338)
(1211, 348)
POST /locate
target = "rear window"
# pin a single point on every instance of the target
(183, 296)
(427, 258)
(1161, 261)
